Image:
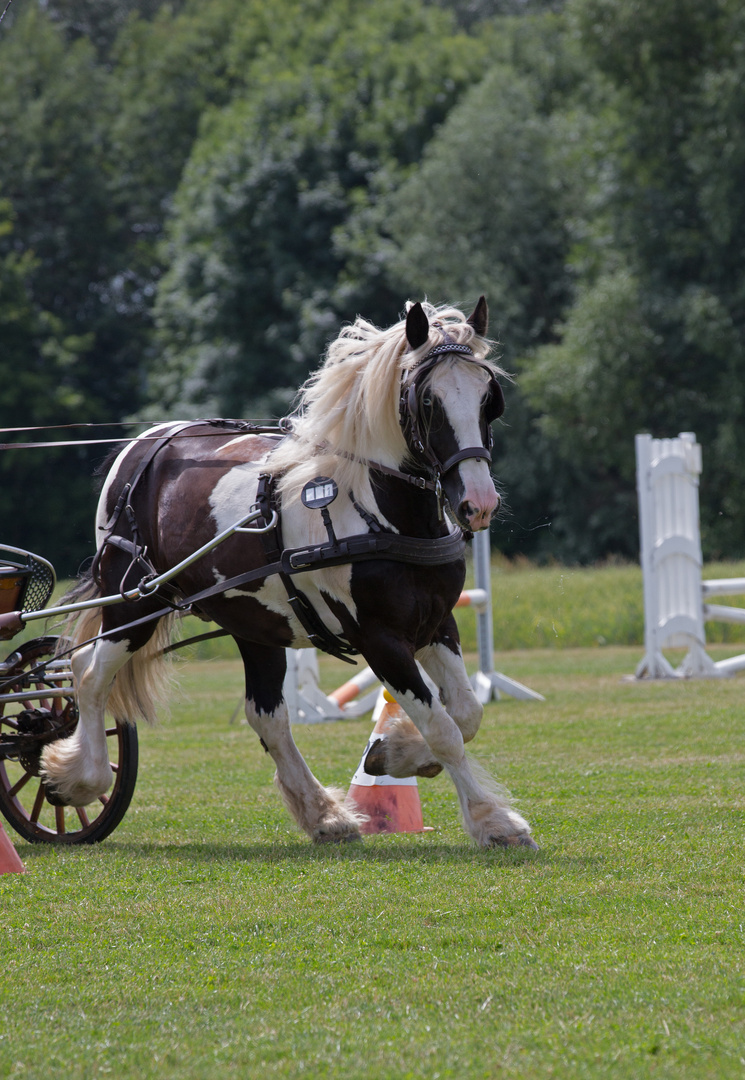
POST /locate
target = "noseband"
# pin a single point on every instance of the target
(410, 417)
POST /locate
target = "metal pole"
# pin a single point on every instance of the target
(147, 588)
(482, 576)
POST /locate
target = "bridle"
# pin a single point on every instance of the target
(412, 426)
(410, 416)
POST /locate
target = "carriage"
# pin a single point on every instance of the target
(38, 706)
(344, 529)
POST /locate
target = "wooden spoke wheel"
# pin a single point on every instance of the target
(38, 706)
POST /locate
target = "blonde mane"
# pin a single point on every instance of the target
(349, 407)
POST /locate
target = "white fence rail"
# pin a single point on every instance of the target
(667, 472)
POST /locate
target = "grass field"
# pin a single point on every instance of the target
(206, 938)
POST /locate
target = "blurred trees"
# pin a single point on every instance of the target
(195, 196)
(263, 254)
(39, 385)
(655, 339)
(486, 212)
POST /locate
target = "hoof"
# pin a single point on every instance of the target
(54, 797)
(374, 764)
(336, 838)
(432, 768)
(515, 841)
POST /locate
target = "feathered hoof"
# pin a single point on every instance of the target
(321, 837)
(78, 795)
(54, 796)
(65, 786)
(515, 841)
(337, 824)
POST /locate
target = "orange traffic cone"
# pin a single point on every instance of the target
(392, 805)
(10, 862)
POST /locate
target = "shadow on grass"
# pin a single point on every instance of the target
(373, 850)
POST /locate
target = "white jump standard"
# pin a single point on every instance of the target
(675, 611)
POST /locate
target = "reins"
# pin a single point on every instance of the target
(243, 427)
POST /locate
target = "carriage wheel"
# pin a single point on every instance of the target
(50, 712)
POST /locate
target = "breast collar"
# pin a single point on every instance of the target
(362, 547)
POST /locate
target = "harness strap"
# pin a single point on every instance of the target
(468, 452)
(352, 549)
(369, 519)
(153, 449)
(124, 502)
(316, 630)
(420, 482)
(419, 551)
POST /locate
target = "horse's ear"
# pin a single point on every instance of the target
(417, 326)
(479, 318)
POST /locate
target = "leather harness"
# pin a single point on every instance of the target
(286, 562)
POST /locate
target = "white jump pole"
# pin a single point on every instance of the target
(488, 683)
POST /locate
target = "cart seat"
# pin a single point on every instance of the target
(13, 584)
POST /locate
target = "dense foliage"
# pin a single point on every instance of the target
(194, 197)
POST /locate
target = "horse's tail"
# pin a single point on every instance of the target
(139, 688)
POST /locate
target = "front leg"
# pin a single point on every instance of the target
(404, 752)
(487, 815)
(443, 662)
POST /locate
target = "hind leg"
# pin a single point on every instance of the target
(319, 811)
(77, 769)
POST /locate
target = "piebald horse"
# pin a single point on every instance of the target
(397, 423)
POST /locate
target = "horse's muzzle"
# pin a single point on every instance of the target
(476, 516)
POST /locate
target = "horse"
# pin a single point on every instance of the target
(381, 472)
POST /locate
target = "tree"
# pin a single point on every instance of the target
(43, 494)
(480, 214)
(262, 261)
(98, 111)
(656, 337)
(485, 212)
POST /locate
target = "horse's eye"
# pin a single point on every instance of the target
(427, 399)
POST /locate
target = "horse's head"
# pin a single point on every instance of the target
(449, 399)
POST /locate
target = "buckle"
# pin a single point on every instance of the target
(299, 560)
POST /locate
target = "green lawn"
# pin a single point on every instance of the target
(207, 938)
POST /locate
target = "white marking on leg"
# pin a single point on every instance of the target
(78, 768)
(448, 672)
(319, 811)
(487, 815)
